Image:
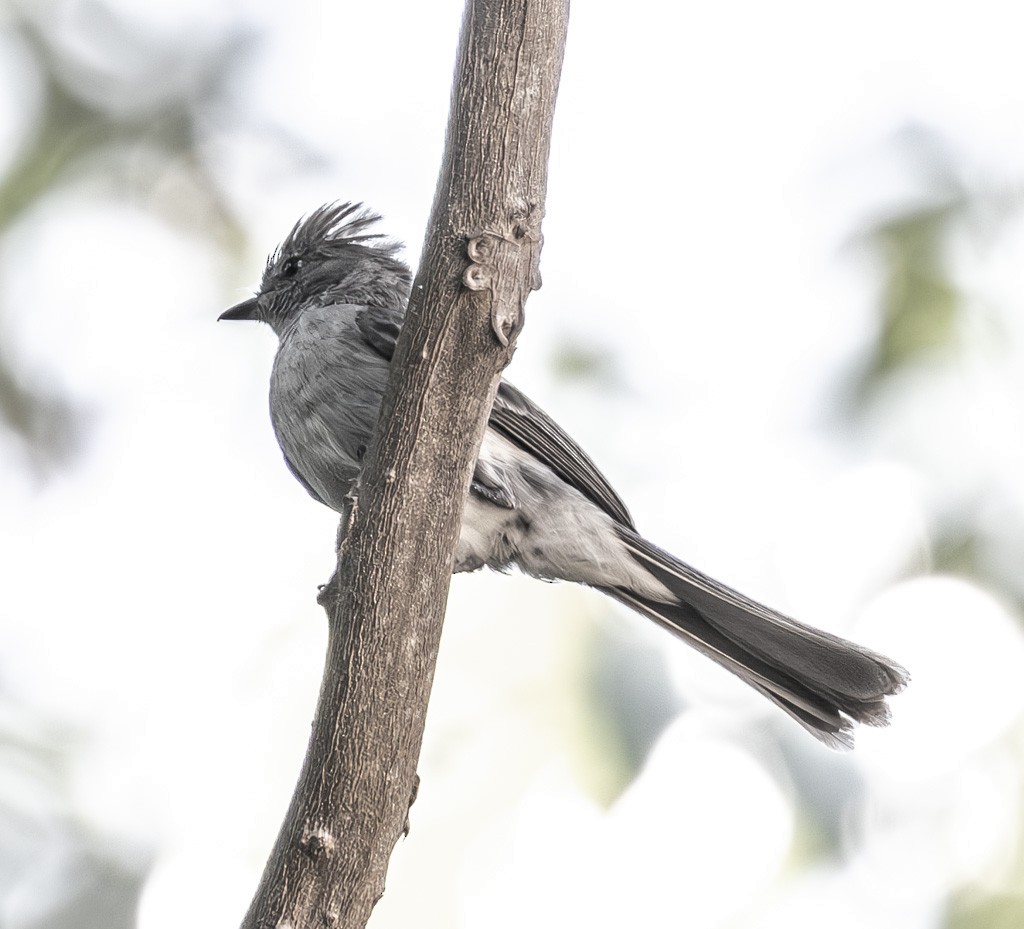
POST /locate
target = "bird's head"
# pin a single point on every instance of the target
(327, 258)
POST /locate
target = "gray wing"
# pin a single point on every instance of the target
(520, 421)
(379, 327)
(524, 423)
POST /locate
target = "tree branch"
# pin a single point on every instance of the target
(479, 264)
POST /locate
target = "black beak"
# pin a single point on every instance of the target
(244, 310)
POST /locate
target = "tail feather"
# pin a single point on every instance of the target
(824, 682)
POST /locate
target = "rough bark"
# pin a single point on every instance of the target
(479, 263)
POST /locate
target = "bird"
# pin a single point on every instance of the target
(335, 292)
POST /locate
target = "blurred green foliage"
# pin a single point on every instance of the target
(920, 303)
(922, 307)
(575, 362)
(973, 910)
(925, 314)
(79, 134)
(55, 871)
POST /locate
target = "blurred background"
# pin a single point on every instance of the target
(782, 308)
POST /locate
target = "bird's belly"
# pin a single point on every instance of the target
(312, 450)
(564, 537)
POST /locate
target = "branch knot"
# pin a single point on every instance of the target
(493, 255)
(317, 841)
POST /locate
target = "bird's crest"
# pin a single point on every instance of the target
(332, 227)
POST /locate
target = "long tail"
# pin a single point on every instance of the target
(824, 682)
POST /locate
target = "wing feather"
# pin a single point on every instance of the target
(519, 420)
(524, 423)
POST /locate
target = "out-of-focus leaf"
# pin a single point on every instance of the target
(974, 911)
(577, 363)
(955, 550)
(46, 424)
(629, 702)
(920, 301)
(921, 304)
(55, 872)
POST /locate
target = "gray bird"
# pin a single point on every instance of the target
(335, 295)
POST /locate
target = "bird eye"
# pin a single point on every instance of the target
(291, 266)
